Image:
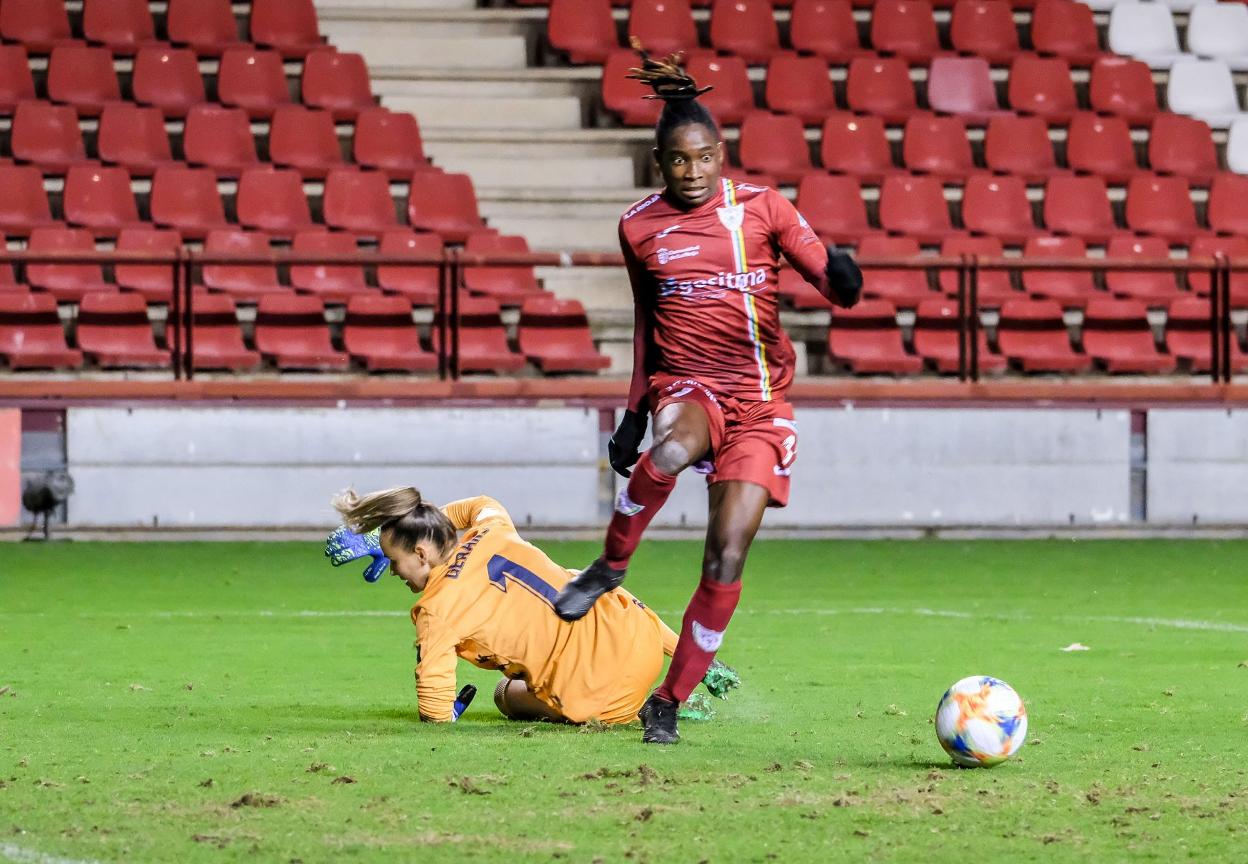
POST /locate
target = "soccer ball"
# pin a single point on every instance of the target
(981, 721)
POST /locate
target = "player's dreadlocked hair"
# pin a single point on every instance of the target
(677, 89)
(401, 511)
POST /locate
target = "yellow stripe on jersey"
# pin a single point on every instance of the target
(751, 308)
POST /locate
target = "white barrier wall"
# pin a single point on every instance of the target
(1198, 466)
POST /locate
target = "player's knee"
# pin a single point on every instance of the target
(670, 454)
(500, 697)
(725, 564)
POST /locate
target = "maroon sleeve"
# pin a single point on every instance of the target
(641, 282)
(799, 243)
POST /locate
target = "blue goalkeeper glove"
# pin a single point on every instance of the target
(462, 701)
(344, 546)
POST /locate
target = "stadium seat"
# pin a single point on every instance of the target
(47, 135)
(962, 86)
(187, 199)
(217, 341)
(304, 139)
(358, 201)
(380, 333)
(254, 80)
(554, 335)
(775, 144)
(1187, 337)
(1236, 249)
(1155, 288)
(38, 24)
(994, 285)
(291, 333)
(1183, 146)
(1227, 210)
(337, 82)
(17, 85)
(389, 141)
(800, 86)
(482, 338)
(1079, 206)
(1071, 288)
(1237, 147)
(826, 29)
(937, 146)
(208, 26)
(746, 28)
(881, 85)
(24, 205)
(998, 206)
(1161, 206)
(417, 284)
(272, 200)
(582, 29)
(1123, 87)
(915, 206)
(99, 198)
(1117, 335)
(82, 76)
(1144, 31)
(902, 288)
(31, 336)
(168, 79)
(1065, 29)
(288, 26)
(1020, 146)
(133, 138)
(219, 138)
(1032, 334)
(904, 28)
(124, 26)
(624, 96)
(1219, 31)
(936, 329)
(733, 94)
(834, 207)
(445, 204)
(510, 286)
(984, 28)
(798, 293)
(1204, 89)
(868, 341)
(154, 282)
(115, 333)
(1102, 146)
(1042, 86)
(663, 26)
(856, 145)
(333, 283)
(246, 283)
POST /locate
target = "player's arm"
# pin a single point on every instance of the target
(469, 511)
(833, 272)
(624, 449)
(435, 667)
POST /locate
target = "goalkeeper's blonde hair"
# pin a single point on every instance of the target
(402, 512)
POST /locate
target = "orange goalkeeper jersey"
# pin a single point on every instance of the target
(493, 606)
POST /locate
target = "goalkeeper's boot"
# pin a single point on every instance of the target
(658, 720)
(579, 596)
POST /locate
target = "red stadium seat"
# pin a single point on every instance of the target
(799, 293)
(38, 24)
(482, 339)
(1071, 288)
(292, 333)
(219, 138)
(881, 85)
(1117, 335)
(217, 341)
(858, 146)
(663, 26)
(1161, 206)
(1236, 249)
(68, 283)
(246, 283)
(99, 198)
(1080, 206)
(168, 79)
(115, 333)
(333, 283)
(905, 28)
(915, 206)
(380, 333)
(1228, 204)
(775, 144)
(733, 94)
(746, 28)
(868, 341)
(154, 282)
(124, 26)
(208, 26)
(187, 199)
(510, 286)
(833, 206)
(937, 146)
(254, 80)
(24, 204)
(624, 96)
(82, 76)
(1032, 334)
(1187, 336)
(1183, 146)
(1123, 87)
(288, 26)
(47, 135)
(903, 288)
(445, 204)
(1101, 145)
(1065, 29)
(272, 200)
(305, 140)
(800, 86)
(1156, 288)
(994, 285)
(826, 29)
(554, 334)
(337, 82)
(1042, 86)
(390, 142)
(359, 201)
(418, 284)
(962, 86)
(133, 138)
(1021, 146)
(582, 29)
(16, 83)
(31, 336)
(936, 338)
(984, 28)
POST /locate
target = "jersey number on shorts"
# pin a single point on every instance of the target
(501, 570)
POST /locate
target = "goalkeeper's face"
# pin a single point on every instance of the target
(413, 565)
(691, 161)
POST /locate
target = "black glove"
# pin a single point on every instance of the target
(844, 278)
(623, 450)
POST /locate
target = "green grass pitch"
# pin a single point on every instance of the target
(229, 702)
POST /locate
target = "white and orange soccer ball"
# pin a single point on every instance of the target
(981, 721)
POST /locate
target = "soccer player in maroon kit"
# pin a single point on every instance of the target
(712, 364)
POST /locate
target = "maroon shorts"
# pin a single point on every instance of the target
(755, 442)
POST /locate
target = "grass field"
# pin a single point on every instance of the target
(222, 702)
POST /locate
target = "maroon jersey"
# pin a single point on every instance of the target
(705, 283)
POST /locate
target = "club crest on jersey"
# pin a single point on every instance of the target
(732, 217)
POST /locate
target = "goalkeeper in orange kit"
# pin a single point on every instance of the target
(487, 596)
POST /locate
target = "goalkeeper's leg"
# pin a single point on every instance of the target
(516, 702)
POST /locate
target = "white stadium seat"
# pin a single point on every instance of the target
(1237, 147)
(1144, 31)
(1184, 5)
(1100, 5)
(1220, 31)
(1204, 89)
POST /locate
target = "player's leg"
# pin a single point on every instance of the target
(517, 702)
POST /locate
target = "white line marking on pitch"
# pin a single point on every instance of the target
(29, 856)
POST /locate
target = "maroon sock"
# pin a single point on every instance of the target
(647, 489)
(706, 619)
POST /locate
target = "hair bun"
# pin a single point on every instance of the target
(666, 77)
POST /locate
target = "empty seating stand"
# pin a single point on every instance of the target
(31, 336)
(554, 335)
(115, 333)
(936, 339)
(1032, 334)
(1117, 335)
(482, 338)
(380, 333)
(217, 341)
(867, 340)
(292, 334)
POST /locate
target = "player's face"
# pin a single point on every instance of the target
(691, 163)
(411, 565)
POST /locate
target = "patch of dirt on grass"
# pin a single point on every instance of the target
(343, 780)
(466, 785)
(318, 767)
(256, 799)
(593, 725)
